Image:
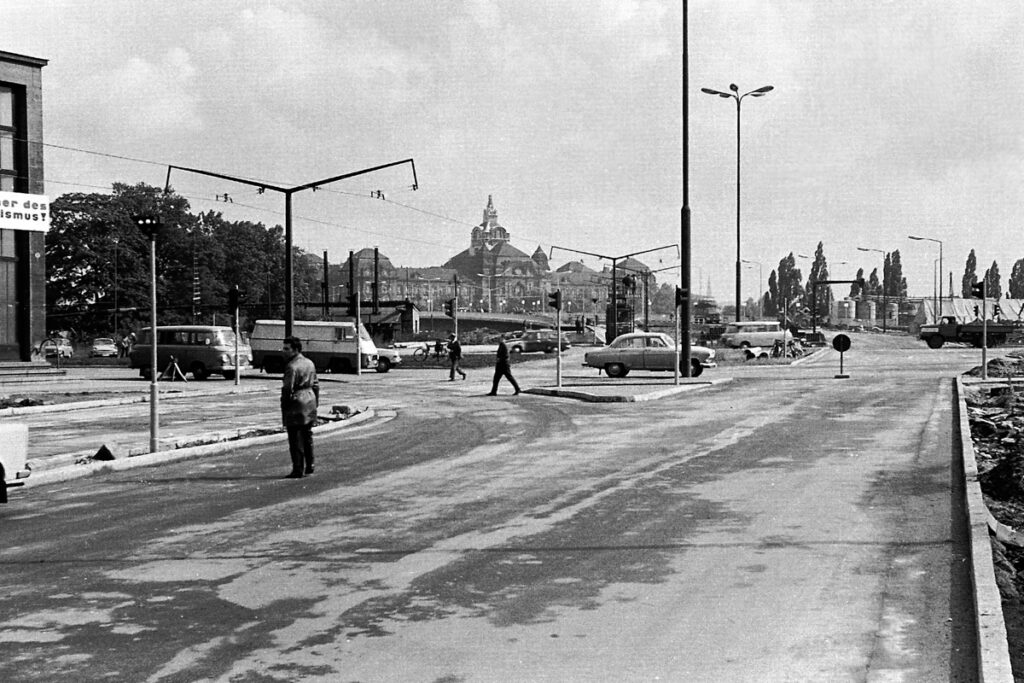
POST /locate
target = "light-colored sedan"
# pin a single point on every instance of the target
(103, 346)
(646, 351)
(387, 358)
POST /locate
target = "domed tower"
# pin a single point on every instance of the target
(541, 259)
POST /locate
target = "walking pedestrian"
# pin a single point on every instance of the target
(300, 394)
(502, 368)
(455, 356)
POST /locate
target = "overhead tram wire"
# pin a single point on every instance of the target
(259, 180)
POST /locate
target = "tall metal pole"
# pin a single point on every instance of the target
(984, 327)
(738, 209)
(735, 94)
(326, 288)
(116, 240)
(154, 394)
(558, 346)
(683, 312)
(612, 330)
(289, 295)
(359, 329)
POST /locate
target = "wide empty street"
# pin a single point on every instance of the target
(784, 526)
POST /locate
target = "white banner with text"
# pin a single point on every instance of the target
(24, 211)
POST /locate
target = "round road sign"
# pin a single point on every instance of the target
(841, 343)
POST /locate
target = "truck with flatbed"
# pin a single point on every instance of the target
(949, 330)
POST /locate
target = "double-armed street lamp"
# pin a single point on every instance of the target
(932, 239)
(735, 95)
(289, 297)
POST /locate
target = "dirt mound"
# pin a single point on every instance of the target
(1000, 367)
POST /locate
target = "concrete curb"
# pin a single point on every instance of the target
(70, 472)
(624, 398)
(141, 398)
(993, 649)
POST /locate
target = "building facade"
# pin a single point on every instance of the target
(493, 276)
(24, 209)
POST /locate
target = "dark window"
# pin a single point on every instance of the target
(8, 133)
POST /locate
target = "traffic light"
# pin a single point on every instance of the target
(234, 298)
(978, 290)
(449, 308)
(352, 303)
(680, 296)
(555, 299)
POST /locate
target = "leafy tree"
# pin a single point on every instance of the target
(855, 289)
(90, 232)
(663, 301)
(771, 303)
(993, 290)
(791, 291)
(873, 287)
(1016, 283)
(894, 285)
(970, 275)
(823, 297)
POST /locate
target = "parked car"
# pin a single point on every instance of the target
(646, 351)
(387, 358)
(537, 340)
(55, 347)
(103, 346)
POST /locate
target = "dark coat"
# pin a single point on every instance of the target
(454, 350)
(502, 353)
(300, 392)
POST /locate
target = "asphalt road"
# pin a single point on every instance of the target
(784, 526)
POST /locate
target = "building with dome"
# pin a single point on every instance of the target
(493, 277)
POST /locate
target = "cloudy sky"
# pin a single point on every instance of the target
(888, 118)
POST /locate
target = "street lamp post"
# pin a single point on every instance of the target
(932, 239)
(885, 293)
(289, 296)
(760, 92)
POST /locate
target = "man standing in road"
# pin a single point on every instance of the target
(300, 393)
(502, 368)
(455, 356)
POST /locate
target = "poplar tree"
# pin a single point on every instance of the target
(993, 290)
(1016, 284)
(970, 275)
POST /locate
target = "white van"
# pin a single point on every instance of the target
(751, 333)
(331, 345)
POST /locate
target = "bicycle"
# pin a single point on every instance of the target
(425, 352)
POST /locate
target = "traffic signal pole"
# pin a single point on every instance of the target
(984, 328)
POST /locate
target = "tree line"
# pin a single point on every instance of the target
(97, 259)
